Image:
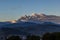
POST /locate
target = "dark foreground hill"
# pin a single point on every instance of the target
(25, 28)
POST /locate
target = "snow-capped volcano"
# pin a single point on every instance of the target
(40, 18)
(36, 24)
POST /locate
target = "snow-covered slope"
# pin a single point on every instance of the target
(40, 18)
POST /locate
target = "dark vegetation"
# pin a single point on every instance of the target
(14, 38)
(33, 37)
(46, 36)
(51, 36)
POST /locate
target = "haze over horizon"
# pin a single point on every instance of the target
(13, 9)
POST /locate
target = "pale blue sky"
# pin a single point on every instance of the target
(13, 9)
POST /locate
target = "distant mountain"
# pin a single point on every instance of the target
(21, 24)
(7, 23)
(37, 24)
(4, 23)
(40, 18)
(35, 18)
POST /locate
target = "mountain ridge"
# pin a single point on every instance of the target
(34, 24)
(40, 18)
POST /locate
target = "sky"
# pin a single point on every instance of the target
(14, 9)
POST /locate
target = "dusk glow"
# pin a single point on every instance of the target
(14, 9)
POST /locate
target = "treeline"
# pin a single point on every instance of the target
(46, 36)
(51, 36)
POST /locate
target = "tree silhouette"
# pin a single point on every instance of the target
(14, 38)
(33, 37)
(46, 36)
(51, 36)
(57, 35)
